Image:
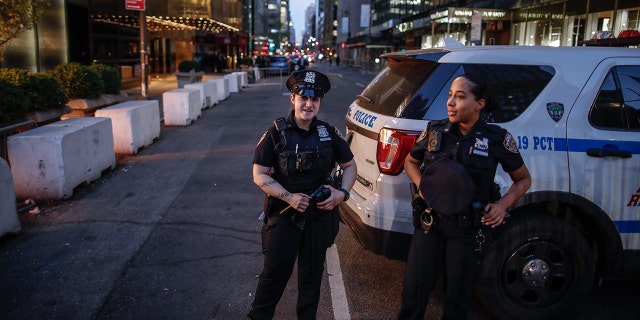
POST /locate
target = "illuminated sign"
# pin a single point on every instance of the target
(134, 5)
(487, 14)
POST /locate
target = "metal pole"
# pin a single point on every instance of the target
(252, 29)
(144, 85)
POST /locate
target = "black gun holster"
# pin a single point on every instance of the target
(418, 205)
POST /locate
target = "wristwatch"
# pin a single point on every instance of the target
(346, 194)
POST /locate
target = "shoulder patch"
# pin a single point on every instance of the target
(510, 143)
(262, 138)
(423, 135)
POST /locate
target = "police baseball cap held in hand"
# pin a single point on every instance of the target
(308, 83)
(447, 187)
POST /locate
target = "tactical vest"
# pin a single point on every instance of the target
(305, 159)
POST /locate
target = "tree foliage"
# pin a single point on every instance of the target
(17, 16)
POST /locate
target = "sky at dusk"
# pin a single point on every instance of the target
(297, 9)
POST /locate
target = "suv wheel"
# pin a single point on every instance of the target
(539, 268)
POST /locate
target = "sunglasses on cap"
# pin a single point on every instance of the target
(307, 90)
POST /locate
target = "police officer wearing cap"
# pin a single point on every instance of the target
(292, 163)
(454, 162)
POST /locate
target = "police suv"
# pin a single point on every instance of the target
(575, 113)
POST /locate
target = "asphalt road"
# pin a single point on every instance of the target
(173, 232)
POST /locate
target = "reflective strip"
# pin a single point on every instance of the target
(581, 145)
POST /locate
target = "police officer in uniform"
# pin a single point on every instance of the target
(292, 164)
(454, 162)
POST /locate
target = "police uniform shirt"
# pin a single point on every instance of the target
(479, 151)
(322, 140)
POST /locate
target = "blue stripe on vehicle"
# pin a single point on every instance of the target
(629, 226)
(581, 145)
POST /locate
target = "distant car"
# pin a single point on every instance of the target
(278, 65)
(297, 63)
(574, 113)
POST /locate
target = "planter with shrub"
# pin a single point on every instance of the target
(89, 87)
(30, 96)
(189, 71)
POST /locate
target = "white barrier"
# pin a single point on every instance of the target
(223, 87)
(208, 92)
(233, 82)
(181, 107)
(135, 124)
(9, 221)
(243, 78)
(48, 162)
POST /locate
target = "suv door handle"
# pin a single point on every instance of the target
(600, 153)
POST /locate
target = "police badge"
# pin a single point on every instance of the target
(323, 134)
(555, 110)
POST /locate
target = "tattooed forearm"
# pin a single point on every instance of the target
(284, 195)
(267, 183)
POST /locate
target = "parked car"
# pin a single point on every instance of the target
(278, 66)
(575, 113)
(297, 63)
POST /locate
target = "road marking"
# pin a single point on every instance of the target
(338, 294)
(360, 85)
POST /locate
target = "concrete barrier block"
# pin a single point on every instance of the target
(181, 107)
(208, 92)
(223, 87)
(136, 124)
(233, 82)
(243, 79)
(48, 162)
(9, 221)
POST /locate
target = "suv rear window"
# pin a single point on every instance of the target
(418, 89)
(391, 89)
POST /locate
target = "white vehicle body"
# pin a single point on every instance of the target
(585, 168)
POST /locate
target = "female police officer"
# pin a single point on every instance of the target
(293, 159)
(448, 235)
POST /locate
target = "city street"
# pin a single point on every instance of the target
(173, 232)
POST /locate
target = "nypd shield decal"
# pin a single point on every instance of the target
(555, 110)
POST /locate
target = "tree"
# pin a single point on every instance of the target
(17, 16)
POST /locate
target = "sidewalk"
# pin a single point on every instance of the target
(157, 85)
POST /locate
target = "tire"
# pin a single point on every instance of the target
(539, 268)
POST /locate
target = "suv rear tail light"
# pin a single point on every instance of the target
(393, 147)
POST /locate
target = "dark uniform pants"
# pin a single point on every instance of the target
(451, 249)
(282, 242)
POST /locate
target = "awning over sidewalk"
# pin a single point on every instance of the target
(159, 23)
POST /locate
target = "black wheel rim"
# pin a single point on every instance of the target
(538, 274)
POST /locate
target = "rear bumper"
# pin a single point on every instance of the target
(391, 244)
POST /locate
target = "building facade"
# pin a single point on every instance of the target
(106, 31)
(405, 26)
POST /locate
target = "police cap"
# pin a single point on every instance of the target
(447, 187)
(308, 83)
